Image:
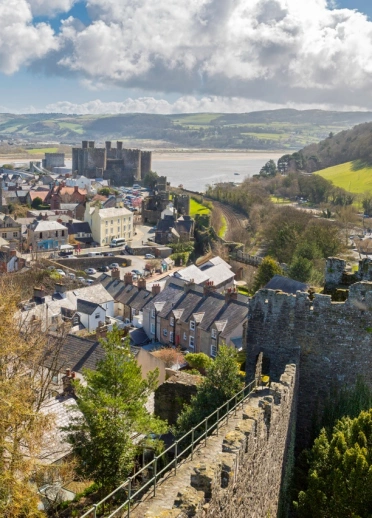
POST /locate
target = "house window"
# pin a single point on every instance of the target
(185, 335)
(56, 233)
(106, 223)
(171, 322)
(3, 235)
(55, 377)
(214, 333)
(15, 234)
(118, 221)
(171, 337)
(153, 313)
(118, 230)
(41, 235)
(192, 325)
(106, 231)
(165, 332)
(152, 329)
(97, 315)
(191, 342)
(63, 233)
(213, 350)
(112, 222)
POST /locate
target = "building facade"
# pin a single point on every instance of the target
(109, 224)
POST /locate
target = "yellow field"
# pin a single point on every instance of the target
(351, 176)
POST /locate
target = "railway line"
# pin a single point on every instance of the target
(233, 218)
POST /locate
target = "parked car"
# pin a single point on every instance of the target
(103, 269)
(108, 254)
(113, 265)
(71, 275)
(60, 272)
(80, 279)
(149, 256)
(89, 282)
(136, 272)
(90, 271)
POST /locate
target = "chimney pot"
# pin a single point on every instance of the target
(156, 289)
(68, 372)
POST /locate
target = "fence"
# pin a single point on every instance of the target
(129, 489)
(253, 260)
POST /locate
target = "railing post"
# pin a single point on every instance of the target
(206, 431)
(175, 457)
(155, 473)
(227, 414)
(218, 418)
(95, 510)
(236, 404)
(192, 442)
(129, 495)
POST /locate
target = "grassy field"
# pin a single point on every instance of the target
(279, 200)
(197, 208)
(40, 151)
(350, 176)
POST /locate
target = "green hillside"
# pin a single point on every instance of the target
(351, 176)
(266, 130)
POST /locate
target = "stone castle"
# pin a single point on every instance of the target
(119, 165)
(307, 343)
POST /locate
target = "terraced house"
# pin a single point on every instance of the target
(10, 230)
(198, 319)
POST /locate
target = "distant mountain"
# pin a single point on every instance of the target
(347, 146)
(263, 130)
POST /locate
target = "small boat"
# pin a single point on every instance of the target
(236, 174)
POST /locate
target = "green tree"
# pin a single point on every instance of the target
(199, 361)
(36, 202)
(300, 269)
(221, 382)
(105, 191)
(340, 474)
(150, 179)
(266, 271)
(269, 169)
(113, 409)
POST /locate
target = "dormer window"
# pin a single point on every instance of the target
(153, 313)
(214, 333)
(171, 322)
(192, 325)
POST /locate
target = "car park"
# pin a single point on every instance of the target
(113, 265)
(90, 271)
(149, 256)
(60, 272)
(103, 269)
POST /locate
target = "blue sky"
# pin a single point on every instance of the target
(107, 56)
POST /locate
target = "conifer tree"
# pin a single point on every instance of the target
(113, 411)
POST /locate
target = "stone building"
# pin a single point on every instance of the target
(53, 160)
(10, 230)
(108, 224)
(119, 165)
(46, 235)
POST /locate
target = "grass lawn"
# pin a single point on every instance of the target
(223, 227)
(42, 150)
(278, 199)
(197, 208)
(349, 176)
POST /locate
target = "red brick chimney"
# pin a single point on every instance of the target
(141, 284)
(208, 287)
(76, 188)
(128, 278)
(156, 289)
(115, 274)
(231, 294)
(13, 253)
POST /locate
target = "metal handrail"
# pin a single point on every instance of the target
(237, 400)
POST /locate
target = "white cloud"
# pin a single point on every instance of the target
(276, 51)
(50, 7)
(185, 104)
(20, 41)
(271, 49)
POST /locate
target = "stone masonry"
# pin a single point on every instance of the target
(240, 473)
(333, 339)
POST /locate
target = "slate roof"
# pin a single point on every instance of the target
(184, 224)
(192, 272)
(169, 297)
(78, 226)
(126, 294)
(86, 307)
(77, 353)
(165, 224)
(44, 225)
(285, 284)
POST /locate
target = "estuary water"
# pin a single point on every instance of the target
(195, 170)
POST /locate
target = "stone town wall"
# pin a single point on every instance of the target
(241, 472)
(333, 339)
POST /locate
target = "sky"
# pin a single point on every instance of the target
(184, 56)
